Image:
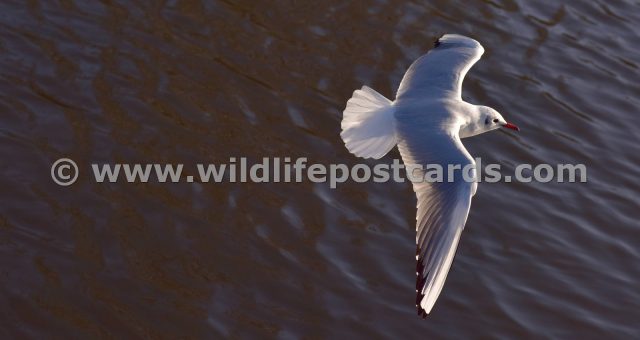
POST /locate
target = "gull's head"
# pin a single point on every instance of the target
(491, 119)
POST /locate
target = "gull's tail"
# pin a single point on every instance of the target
(368, 124)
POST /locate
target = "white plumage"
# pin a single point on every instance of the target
(367, 126)
(426, 121)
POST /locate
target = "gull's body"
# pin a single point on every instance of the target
(426, 121)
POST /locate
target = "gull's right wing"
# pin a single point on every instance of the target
(442, 206)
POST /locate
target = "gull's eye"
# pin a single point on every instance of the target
(495, 120)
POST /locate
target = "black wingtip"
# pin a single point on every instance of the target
(419, 297)
(436, 42)
(422, 313)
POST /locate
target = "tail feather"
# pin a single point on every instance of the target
(368, 128)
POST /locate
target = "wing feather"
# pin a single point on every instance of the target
(440, 72)
(442, 207)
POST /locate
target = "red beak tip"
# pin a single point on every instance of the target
(511, 126)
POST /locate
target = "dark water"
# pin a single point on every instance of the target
(197, 82)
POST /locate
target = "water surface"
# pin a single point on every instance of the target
(199, 82)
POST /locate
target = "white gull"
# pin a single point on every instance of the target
(426, 122)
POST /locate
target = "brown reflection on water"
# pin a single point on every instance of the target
(199, 82)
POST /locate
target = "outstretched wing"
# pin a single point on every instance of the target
(442, 208)
(440, 72)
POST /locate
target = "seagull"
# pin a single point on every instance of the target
(427, 121)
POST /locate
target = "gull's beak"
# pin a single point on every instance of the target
(511, 126)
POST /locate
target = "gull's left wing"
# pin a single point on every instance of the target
(440, 72)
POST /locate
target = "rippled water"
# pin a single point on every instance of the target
(197, 82)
